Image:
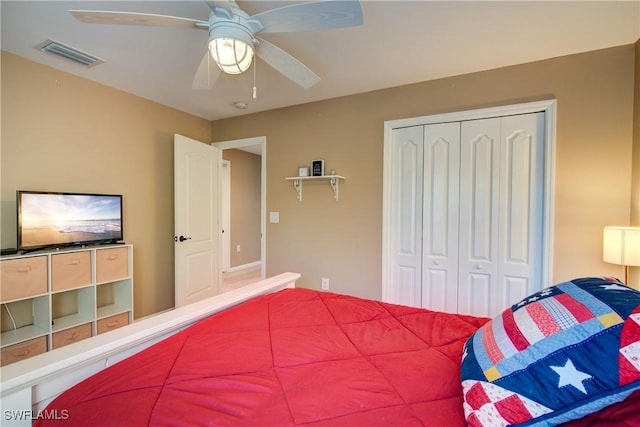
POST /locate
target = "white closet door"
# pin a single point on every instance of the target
(479, 215)
(521, 208)
(483, 235)
(406, 215)
(501, 212)
(440, 216)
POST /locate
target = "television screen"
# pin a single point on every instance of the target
(65, 219)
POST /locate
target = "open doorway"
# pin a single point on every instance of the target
(243, 211)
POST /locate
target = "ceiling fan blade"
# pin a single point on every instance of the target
(207, 73)
(286, 64)
(319, 15)
(133, 18)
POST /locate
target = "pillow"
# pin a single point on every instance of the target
(558, 355)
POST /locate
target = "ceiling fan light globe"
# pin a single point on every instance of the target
(232, 56)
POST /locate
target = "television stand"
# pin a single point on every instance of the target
(58, 297)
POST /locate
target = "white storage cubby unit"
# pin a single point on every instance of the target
(52, 299)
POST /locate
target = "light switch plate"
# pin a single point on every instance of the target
(274, 217)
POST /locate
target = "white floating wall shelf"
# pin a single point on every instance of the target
(334, 182)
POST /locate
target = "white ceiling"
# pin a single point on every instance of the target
(401, 42)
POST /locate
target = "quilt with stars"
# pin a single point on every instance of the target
(556, 356)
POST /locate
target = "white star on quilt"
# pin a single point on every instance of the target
(546, 292)
(569, 375)
(615, 287)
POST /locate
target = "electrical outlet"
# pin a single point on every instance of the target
(238, 248)
(325, 284)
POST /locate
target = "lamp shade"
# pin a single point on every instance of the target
(621, 245)
(232, 56)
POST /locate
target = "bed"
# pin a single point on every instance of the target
(299, 357)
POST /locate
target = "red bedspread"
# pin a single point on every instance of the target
(297, 357)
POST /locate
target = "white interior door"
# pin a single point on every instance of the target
(406, 215)
(480, 204)
(479, 215)
(197, 214)
(501, 215)
(440, 216)
(521, 208)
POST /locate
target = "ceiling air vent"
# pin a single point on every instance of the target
(67, 52)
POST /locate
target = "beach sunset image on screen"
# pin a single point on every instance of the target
(48, 219)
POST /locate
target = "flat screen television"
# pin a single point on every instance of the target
(48, 220)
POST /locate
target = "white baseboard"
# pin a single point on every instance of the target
(244, 266)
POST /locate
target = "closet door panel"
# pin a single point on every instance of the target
(521, 207)
(478, 291)
(406, 215)
(479, 213)
(440, 216)
(514, 289)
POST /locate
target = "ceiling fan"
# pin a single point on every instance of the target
(232, 34)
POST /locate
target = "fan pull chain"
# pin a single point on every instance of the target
(255, 89)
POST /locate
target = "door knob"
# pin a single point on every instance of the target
(181, 238)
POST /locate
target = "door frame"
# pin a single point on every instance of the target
(246, 142)
(546, 106)
(225, 211)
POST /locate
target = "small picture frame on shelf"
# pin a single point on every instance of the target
(303, 171)
(317, 167)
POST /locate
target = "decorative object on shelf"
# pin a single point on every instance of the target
(303, 171)
(317, 167)
(621, 245)
(334, 181)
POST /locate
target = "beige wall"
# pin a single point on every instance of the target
(635, 180)
(60, 132)
(245, 206)
(635, 194)
(320, 237)
(63, 133)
